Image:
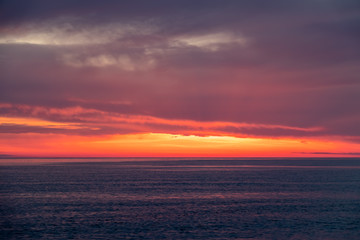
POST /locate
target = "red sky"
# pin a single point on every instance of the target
(186, 78)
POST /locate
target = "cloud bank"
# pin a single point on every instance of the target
(237, 68)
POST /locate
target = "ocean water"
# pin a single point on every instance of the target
(180, 199)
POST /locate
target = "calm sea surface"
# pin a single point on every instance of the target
(180, 199)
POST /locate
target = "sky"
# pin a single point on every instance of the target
(229, 78)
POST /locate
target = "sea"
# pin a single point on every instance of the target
(180, 198)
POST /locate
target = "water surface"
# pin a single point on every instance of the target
(180, 199)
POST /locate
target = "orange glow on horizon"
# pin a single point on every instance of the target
(166, 145)
(196, 139)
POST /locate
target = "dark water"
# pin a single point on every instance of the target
(213, 199)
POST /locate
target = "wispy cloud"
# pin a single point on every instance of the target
(68, 31)
(330, 153)
(210, 41)
(91, 121)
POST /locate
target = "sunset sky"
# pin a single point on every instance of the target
(229, 78)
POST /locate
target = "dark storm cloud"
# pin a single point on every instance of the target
(292, 63)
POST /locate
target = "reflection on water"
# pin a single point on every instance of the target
(214, 199)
